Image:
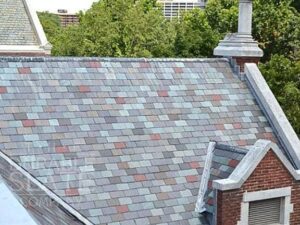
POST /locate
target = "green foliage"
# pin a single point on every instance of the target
(283, 77)
(195, 37)
(276, 26)
(119, 28)
(222, 15)
(50, 23)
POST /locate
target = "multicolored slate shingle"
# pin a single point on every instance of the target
(223, 160)
(123, 141)
(15, 26)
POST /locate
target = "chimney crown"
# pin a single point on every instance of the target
(241, 46)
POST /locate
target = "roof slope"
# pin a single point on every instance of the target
(21, 32)
(221, 161)
(123, 139)
(224, 161)
(15, 26)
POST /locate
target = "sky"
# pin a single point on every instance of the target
(53, 5)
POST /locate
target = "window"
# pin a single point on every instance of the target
(265, 212)
(269, 207)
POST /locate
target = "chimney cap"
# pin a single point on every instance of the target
(240, 44)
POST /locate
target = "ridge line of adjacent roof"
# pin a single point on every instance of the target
(107, 59)
(230, 148)
(50, 194)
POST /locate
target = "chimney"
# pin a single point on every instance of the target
(240, 46)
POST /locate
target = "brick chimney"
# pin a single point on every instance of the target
(241, 46)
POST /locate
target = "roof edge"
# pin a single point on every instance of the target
(19, 49)
(275, 114)
(205, 178)
(108, 59)
(52, 195)
(37, 26)
(250, 162)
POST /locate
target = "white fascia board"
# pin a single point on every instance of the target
(273, 110)
(250, 162)
(22, 49)
(37, 26)
(51, 194)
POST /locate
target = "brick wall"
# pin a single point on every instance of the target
(269, 174)
(242, 60)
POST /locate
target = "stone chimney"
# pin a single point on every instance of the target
(241, 46)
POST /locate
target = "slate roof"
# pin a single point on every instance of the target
(15, 26)
(123, 140)
(224, 161)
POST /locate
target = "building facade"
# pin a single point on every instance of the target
(174, 8)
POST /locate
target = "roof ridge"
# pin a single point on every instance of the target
(231, 148)
(107, 59)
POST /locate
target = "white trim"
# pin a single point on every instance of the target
(274, 111)
(205, 178)
(52, 195)
(21, 49)
(248, 164)
(284, 193)
(267, 194)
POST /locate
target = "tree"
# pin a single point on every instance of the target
(296, 4)
(50, 23)
(195, 37)
(283, 77)
(222, 15)
(120, 28)
(276, 26)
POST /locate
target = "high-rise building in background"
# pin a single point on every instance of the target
(67, 18)
(173, 8)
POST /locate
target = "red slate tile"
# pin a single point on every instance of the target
(139, 177)
(241, 142)
(120, 100)
(145, 65)
(237, 125)
(162, 93)
(84, 88)
(28, 123)
(24, 70)
(3, 90)
(62, 149)
(216, 97)
(233, 163)
(71, 192)
(210, 201)
(122, 208)
(94, 64)
(194, 165)
(191, 178)
(120, 145)
(178, 70)
(155, 137)
(220, 126)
